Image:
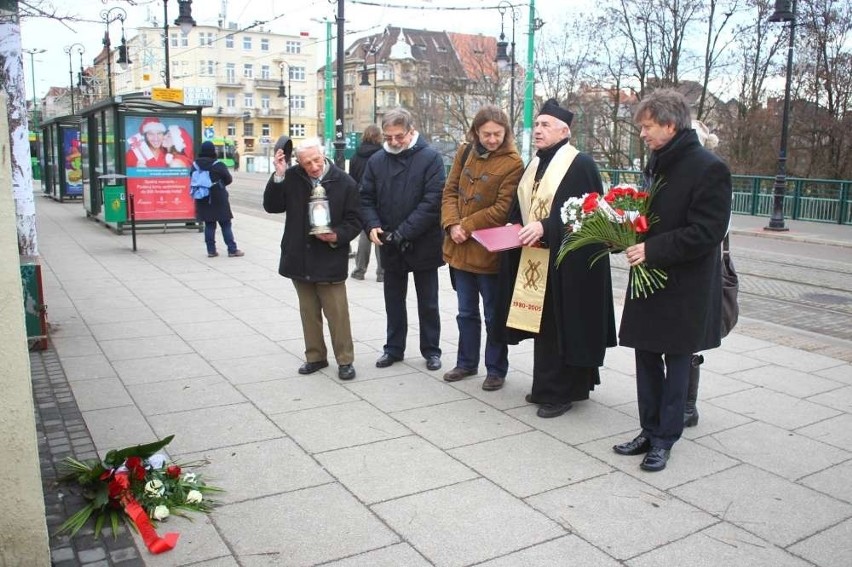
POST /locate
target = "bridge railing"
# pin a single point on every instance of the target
(819, 200)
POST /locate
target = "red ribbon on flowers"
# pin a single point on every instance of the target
(641, 224)
(155, 544)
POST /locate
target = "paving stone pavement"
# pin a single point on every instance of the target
(397, 467)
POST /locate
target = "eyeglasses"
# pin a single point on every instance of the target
(397, 137)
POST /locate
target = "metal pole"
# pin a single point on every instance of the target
(108, 18)
(71, 78)
(329, 113)
(289, 104)
(776, 221)
(529, 83)
(375, 85)
(339, 142)
(167, 72)
(512, 64)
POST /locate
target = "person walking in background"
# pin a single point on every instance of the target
(479, 191)
(217, 207)
(236, 160)
(401, 209)
(317, 263)
(692, 204)
(577, 317)
(371, 142)
(690, 412)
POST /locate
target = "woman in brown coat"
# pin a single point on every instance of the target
(478, 193)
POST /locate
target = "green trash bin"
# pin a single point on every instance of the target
(115, 204)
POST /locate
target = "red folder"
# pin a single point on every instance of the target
(498, 238)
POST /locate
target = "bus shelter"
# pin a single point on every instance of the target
(141, 151)
(63, 158)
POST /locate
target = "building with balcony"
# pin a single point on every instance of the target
(256, 84)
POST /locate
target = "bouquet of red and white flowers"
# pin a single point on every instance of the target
(139, 483)
(619, 220)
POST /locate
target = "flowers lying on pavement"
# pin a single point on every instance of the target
(139, 483)
(618, 220)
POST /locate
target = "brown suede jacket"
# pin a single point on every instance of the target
(478, 194)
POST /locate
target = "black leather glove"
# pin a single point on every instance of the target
(395, 239)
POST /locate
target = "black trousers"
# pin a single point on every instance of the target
(429, 318)
(662, 381)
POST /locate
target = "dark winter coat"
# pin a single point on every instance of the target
(359, 161)
(693, 206)
(217, 208)
(402, 192)
(478, 195)
(303, 256)
(582, 295)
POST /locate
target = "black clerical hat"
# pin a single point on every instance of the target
(552, 108)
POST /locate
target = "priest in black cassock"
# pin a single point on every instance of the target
(574, 301)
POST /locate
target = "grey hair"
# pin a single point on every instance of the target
(666, 107)
(397, 117)
(312, 142)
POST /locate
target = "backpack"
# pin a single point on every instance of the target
(200, 182)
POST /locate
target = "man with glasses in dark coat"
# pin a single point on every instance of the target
(401, 209)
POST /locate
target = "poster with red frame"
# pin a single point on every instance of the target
(158, 160)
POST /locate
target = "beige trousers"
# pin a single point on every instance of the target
(329, 298)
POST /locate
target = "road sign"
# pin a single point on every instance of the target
(209, 134)
(168, 95)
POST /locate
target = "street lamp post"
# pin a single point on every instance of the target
(69, 51)
(503, 59)
(288, 94)
(109, 16)
(32, 53)
(339, 142)
(785, 11)
(365, 76)
(184, 21)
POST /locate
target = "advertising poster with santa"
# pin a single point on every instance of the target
(158, 161)
(73, 166)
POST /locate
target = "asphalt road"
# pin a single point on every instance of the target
(799, 285)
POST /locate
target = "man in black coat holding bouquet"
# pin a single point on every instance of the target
(577, 321)
(692, 205)
(317, 263)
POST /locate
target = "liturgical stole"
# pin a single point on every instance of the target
(535, 199)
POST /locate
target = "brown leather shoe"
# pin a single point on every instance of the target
(493, 383)
(457, 374)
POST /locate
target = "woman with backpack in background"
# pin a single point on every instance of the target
(216, 207)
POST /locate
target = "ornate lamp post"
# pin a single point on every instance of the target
(785, 11)
(339, 142)
(365, 76)
(507, 60)
(184, 21)
(283, 93)
(109, 16)
(69, 49)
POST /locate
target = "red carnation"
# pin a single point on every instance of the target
(173, 471)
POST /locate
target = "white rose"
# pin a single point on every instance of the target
(161, 512)
(189, 477)
(157, 461)
(194, 497)
(154, 488)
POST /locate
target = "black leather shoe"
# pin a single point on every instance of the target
(311, 367)
(433, 362)
(386, 360)
(493, 383)
(655, 460)
(345, 372)
(553, 410)
(529, 399)
(637, 446)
